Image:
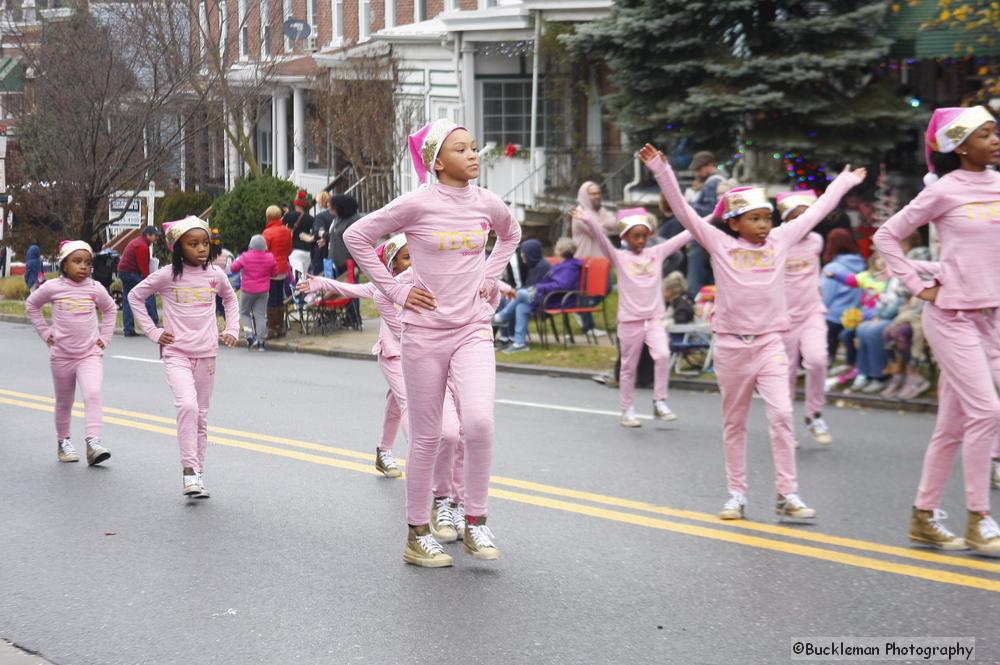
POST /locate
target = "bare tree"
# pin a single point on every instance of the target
(203, 41)
(357, 115)
(92, 99)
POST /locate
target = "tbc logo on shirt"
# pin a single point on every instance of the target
(753, 260)
(186, 295)
(983, 212)
(77, 305)
(468, 242)
(799, 265)
(636, 269)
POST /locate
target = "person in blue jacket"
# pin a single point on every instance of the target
(33, 268)
(841, 258)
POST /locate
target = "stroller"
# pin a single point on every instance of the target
(106, 272)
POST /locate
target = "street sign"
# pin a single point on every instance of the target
(296, 29)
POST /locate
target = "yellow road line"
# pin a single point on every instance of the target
(41, 403)
(617, 502)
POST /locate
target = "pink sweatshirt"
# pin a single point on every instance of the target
(965, 208)
(258, 268)
(390, 330)
(640, 289)
(189, 309)
(750, 278)
(447, 229)
(802, 279)
(74, 316)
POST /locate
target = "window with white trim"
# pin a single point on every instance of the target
(223, 31)
(241, 16)
(390, 13)
(419, 10)
(506, 108)
(364, 19)
(286, 13)
(265, 30)
(337, 22)
(312, 11)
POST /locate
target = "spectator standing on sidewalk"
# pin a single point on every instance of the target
(132, 269)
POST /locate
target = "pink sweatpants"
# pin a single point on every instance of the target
(807, 339)
(966, 345)
(449, 467)
(395, 401)
(89, 373)
(191, 380)
(632, 335)
(741, 366)
(429, 355)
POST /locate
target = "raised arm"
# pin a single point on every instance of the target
(589, 219)
(701, 228)
(508, 236)
(889, 239)
(797, 229)
(343, 288)
(155, 283)
(671, 245)
(33, 307)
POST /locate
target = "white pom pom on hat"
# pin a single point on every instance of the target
(930, 178)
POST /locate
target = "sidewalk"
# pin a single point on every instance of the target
(357, 346)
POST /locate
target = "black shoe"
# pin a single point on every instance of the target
(250, 343)
(130, 334)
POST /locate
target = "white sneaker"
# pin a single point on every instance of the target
(597, 332)
(734, 508)
(629, 419)
(791, 508)
(194, 486)
(995, 476)
(819, 430)
(66, 451)
(662, 412)
(204, 490)
(458, 518)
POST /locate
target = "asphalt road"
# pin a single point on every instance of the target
(611, 549)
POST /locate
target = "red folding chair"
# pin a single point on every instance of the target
(593, 284)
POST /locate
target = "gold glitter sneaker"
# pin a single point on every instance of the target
(96, 453)
(442, 520)
(734, 508)
(385, 464)
(423, 550)
(478, 540)
(927, 529)
(66, 451)
(982, 534)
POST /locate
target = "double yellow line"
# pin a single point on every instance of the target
(772, 537)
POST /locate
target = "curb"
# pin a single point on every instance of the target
(838, 400)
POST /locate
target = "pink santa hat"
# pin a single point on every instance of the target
(789, 201)
(739, 200)
(425, 145)
(948, 129)
(630, 217)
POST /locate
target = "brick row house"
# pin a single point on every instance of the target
(472, 61)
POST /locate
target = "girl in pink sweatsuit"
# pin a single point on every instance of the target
(189, 339)
(959, 318)
(751, 315)
(805, 338)
(76, 344)
(446, 322)
(448, 511)
(640, 303)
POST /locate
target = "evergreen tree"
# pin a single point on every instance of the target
(777, 75)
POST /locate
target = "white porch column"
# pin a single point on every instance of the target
(469, 109)
(298, 132)
(280, 133)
